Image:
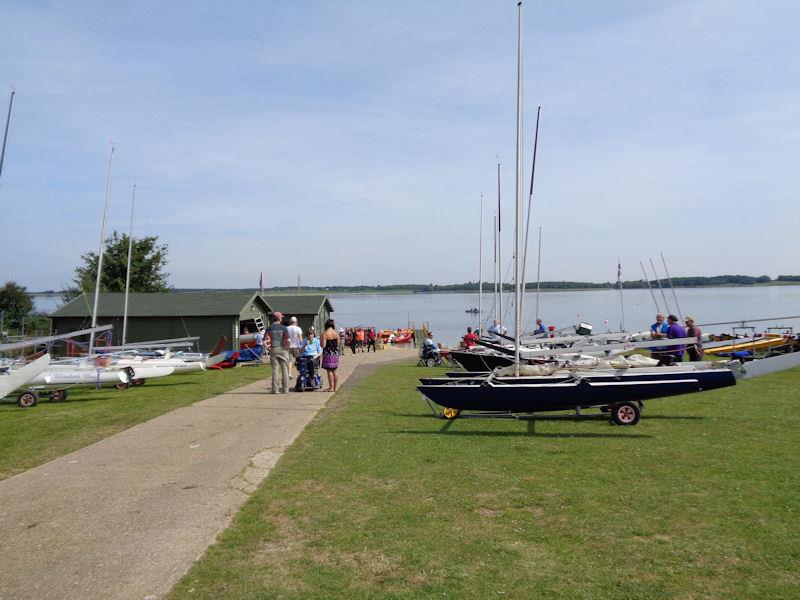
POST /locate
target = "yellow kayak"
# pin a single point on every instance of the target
(770, 340)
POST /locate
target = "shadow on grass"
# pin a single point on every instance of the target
(528, 433)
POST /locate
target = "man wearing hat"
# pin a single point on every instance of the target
(695, 351)
(279, 358)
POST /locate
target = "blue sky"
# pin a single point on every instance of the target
(350, 141)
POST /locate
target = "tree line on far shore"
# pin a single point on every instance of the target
(472, 286)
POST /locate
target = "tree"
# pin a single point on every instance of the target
(148, 261)
(15, 303)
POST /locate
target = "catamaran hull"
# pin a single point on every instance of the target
(56, 379)
(546, 394)
(480, 361)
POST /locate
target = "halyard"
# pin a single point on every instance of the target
(378, 499)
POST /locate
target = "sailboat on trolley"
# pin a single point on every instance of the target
(521, 388)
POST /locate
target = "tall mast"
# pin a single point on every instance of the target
(621, 304)
(672, 287)
(128, 271)
(5, 135)
(538, 271)
(102, 248)
(480, 269)
(661, 289)
(518, 199)
(499, 250)
(495, 265)
(530, 210)
(650, 287)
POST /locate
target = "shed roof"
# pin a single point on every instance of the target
(167, 304)
(298, 304)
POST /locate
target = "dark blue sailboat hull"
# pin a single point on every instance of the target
(535, 394)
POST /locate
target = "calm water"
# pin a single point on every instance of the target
(447, 319)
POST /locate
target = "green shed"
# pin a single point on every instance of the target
(310, 309)
(156, 316)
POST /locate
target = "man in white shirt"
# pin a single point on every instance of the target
(295, 342)
(496, 329)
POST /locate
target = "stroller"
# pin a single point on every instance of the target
(307, 374)
(428, 357)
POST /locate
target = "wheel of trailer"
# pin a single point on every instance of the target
(431, 362)
(122, 386)
(626, 413)
(58, 395)
(27, 399)
(450, 413)
(138, 382)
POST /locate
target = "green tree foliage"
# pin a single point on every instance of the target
(148, 261)
(15, 303)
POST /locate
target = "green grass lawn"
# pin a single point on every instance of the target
(33, 436)
(377, 499)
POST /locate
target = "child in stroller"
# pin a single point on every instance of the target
(308, 364)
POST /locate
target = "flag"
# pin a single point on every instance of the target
(619, 271)
(261, 282)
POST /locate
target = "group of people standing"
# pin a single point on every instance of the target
(669, 327)
(360, 339)
(286, 343)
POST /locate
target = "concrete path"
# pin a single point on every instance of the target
(126, 517)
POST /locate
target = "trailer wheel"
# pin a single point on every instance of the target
(27, 399)
(431, 362)
(138, 382)
(450, 413)
(626, 413)
(122, 386)
(58, 395)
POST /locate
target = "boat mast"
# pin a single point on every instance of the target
(517, 198)
(661, 289)
(102, 247)
(499, 251)
(621, 304)
(128, 271)
(650, 287)
(495, 265)
(5, 135)
(480, 269)
(538, 271)
(530, 210)
(672, 287)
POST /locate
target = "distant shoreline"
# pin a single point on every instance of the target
(488, 289)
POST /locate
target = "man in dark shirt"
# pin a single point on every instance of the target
(279, 357)
(674, 331)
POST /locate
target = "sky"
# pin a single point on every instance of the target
(349, 142)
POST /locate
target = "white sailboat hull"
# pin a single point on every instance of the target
(14, 379)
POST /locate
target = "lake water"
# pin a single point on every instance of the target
(447, 318)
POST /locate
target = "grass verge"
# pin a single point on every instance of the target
(31, 437)
(377, 499)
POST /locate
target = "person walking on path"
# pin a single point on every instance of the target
(295, 342)
(371, 339)
(330, 354)
(279, 357)
(695, 351)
